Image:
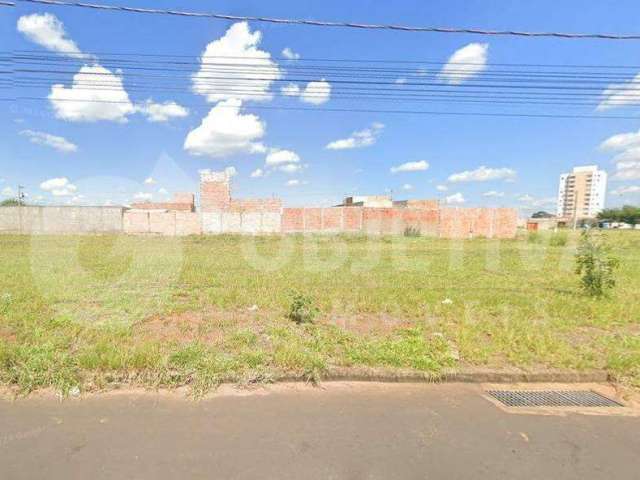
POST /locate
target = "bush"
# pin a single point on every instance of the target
(558, 240)
(302, 309)
(533, 237)
(596, 265)
(411, 231)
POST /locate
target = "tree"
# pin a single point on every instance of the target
(627, 214)
(596, 264)
(542, 214)
(10, 202)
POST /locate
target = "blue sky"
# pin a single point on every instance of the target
(112, 157)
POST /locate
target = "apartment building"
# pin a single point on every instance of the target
(582, 192)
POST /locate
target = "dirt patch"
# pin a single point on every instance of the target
(207, 325)
(6, 335)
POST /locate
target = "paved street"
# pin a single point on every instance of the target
(343, 431)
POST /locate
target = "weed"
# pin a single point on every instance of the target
(595, 264)
(302, 309)
(558, 239)
(412, 231)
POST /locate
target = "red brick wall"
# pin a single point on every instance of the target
(292, 220)
(352, 219)
(214, 195)
(478, 222)
(256, 205)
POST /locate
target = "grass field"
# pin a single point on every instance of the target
(91, 311)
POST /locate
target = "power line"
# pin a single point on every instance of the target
(318, 23)
(352, 110)
(314, 59)
(323, 70)
(290, 62)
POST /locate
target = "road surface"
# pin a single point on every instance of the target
(342, 431)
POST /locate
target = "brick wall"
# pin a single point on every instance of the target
(478, 222)
(215, 193)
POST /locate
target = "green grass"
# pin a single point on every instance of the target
(99, 310)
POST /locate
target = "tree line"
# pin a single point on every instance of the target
(626, 214)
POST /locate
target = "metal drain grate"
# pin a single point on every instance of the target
(552, 398)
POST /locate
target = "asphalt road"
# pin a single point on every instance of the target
(342, 432)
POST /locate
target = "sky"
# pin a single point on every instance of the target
(144, 142)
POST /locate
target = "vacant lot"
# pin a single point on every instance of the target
(96, 310)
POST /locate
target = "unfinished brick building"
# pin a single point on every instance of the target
(220, 213)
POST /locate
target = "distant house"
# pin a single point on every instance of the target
(539, 224)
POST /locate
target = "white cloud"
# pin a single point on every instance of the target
(407, 187)
(483, 174)
(537, 202)
(295, 183)
(231, 171)
(257, 173)
(47, 31)
(161, 112)
(630, 189)
(358, 139)
(249, 71)
(87, 101)
(465, 63)
(442, 188)
(628, 160)
(60, 144)
(59, 187)
(143, 196)
(316, 93)
(621, 141)
(279, 156)
(493, 193)
(290, 54)
(150, 181)
(411, 167)
(291, 90)
(289, 168)
(163, 191)
(7, 192)
(77, 199)
(629, 170)
(621, 94)
(225, 131)
(455, 198)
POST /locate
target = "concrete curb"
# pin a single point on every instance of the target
(340, 374)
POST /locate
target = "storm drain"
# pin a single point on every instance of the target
(552, 398)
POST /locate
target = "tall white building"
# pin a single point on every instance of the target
(582, 192)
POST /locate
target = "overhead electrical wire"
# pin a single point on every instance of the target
(367, 110)
(319, 23)
(514, 85)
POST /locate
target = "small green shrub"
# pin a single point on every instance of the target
(558, 240)
(596, 265)
(302, 309)
(533, 237)
(411, 231)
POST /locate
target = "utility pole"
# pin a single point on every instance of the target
(21, 195)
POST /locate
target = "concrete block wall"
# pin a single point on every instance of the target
(60, 220)
(170, 223)
(239, 221)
